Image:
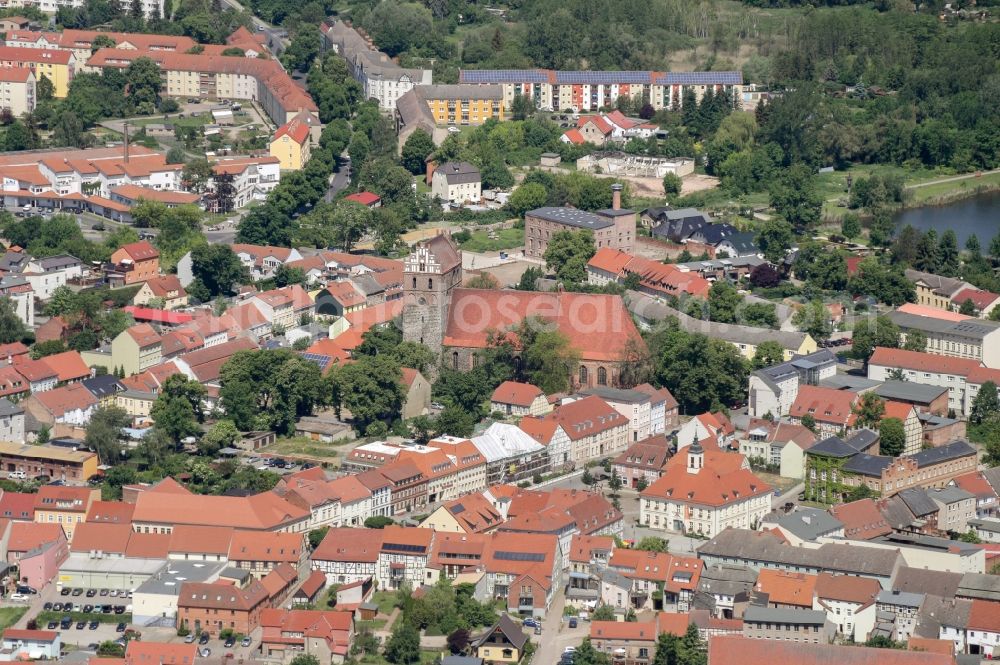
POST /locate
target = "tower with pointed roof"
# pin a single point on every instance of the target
(430, 274)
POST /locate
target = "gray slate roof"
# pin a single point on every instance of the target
(806, 523)
(756, 547)
(908, 391)
(901, 598)
(918, 502)
(459, 173)
(971, 329)
(571, 217)
(943, 453)
(833, 446)
(932, 582)
(979, 585)
(8, 408)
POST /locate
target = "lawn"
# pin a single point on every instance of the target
(375, 624)
(426, 658)
(941, 190)
(11, 615)
(203, 118)
(386, 601)
(504, 239)
(302, 446)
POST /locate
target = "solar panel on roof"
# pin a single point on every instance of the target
(399, 547)
(519, 556)
(457, 509)
(321, 360)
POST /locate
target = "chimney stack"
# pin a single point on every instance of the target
(616, 196)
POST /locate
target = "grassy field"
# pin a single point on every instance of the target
(11, 615)
(386, 600)
(952, 189)
(505, 239)
(45, 617)
(300, 445)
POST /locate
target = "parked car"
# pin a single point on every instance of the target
(66, 622)
(191, 637)
(104, 592)
(88, 609)
(203, 639)
(230, 641)
(53, 625)
(47, 606)
(65, 591)
(206, 652)
(572, 624)
(120, 628)
(19, 597)
(530, 623)
(80, 625)
(24, 588)
(246, 642)
(91, 593)
(77, 592)
(94, 625)
(57, 607)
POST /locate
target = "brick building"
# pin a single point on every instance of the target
(614, 228)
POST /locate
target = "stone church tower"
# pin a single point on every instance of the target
(430, 274)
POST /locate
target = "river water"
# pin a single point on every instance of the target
(979, 215)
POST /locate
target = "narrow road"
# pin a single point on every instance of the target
(953, 178)
(556, 633)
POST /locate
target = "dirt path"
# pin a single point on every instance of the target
(954, 178)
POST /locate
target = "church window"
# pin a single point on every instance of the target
(602, 376)
(430, 283)
(583, 375)
(454, 359)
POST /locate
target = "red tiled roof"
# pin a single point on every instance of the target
(295, 129)
(36, 55)
(110, 512)
(706, 487)
(344, 544)
(518, 394)
(139, 251)
(609, 260)
(68, 365)
(825, 405)
(142, 333)
(786, 588)
(159, 653)
(862, 519)
(898, 410)
(33, 635)
(95, 536)
(574, 136)
(27, 536)
(847, 588)
(985, 616)
(14, 74)
(980, 299)
(738, 650)
(33, 370)
(137, 192)
(17, 506)
(158, 315)
(345, 293)
(603, 126)
(932, 312)
(66, 398)
(923, 362)
(364, 198)
(974, 483)
(270, 547)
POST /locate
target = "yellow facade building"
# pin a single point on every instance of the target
(55, 65)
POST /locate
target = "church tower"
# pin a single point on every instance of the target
(430, 274)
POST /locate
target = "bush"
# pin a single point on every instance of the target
(537, 478)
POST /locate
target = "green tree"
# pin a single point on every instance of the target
(768, 353)
(378, 522)
(652, 544)
(550, 361)
(967, 308)
(794, 196)
(177, 409)
(222, 435)
(217, 268)
(667, 649)
(985, 404)
(144, 83)
(872, 333)
(458, 641)
(723, 302)
(926, 253)
(775, 239)
(760, 315)
(403, 646)
(892, 437)
(305, 659)
(12, 329)
(196, 175)
(850, 226)
(567, 254)
(287, 275)
(418, 146)
(528, 196)
(604, 612)
(814, 318)
(672, 184)
(885, 282)
(104, 433)
(303, 49)
(948, 258)
(700, 372)
(916, 340)
(270, 389)
(522, 107)
(869, 410)
(586, 654)
(371, 390)
(45, 89)
(47, 348)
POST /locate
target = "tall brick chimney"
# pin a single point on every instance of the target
(616, 196)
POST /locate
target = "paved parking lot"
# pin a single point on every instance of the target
(106, 632)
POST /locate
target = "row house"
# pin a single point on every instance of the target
(261, 80)
(556, 90)
(262, 553)
(928, 368)
(403, 557)
(579, 431)
(263, 260)
(324, 635)
(954, 336)
(348, 555)
(642, 463)
(773, 390)
(511, 562)
(214, 607)
(713, 426)
(659, 580)
(831, 410)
